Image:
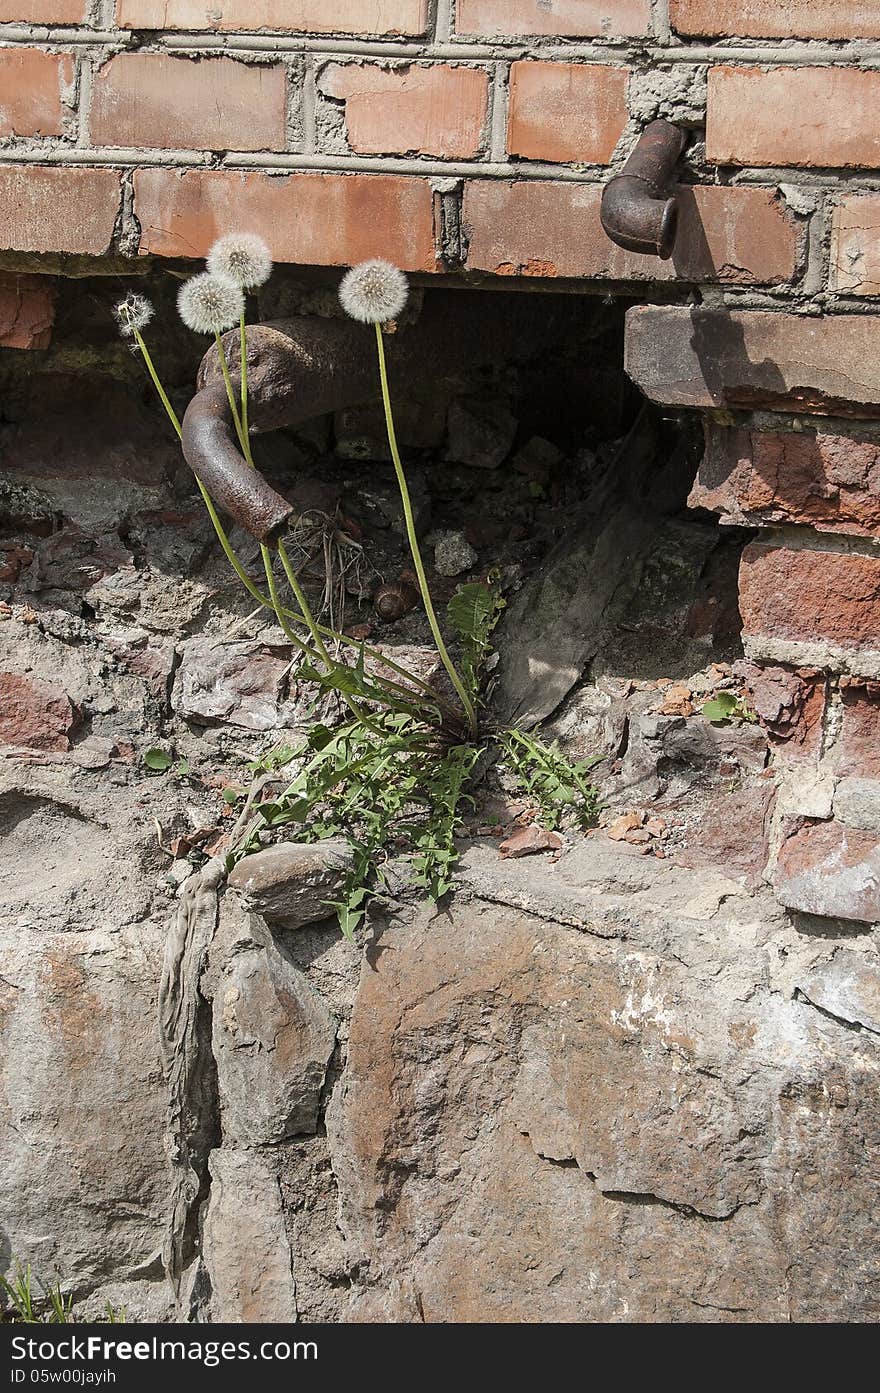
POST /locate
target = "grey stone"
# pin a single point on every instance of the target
(481, 433)
(848, 988)
(292, 882)
(83, 1176)
(246, 1251)
(241, 683)
(857, 803)
(272, 1034)
(453, 554)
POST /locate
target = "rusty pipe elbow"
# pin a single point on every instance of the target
(639, 209)
(212, 453)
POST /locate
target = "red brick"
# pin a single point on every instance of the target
(855, 246)
(311, 219)
(564, 18)
(35, 714)
(810, 596)
(43, 11)
(427, 110)
(58, 210)
(793, 116)
(296, 16)
(27, 310)
(830, 482)
(740, 236)
(858, 747)
(566, 111)
(789, 705)
(30, 84)
(158, 101)
(777, 19)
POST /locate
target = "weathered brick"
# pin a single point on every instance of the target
(565, 18)
(566, 111)
(752, 359)
(830, 870)
(830, 482)
(35, 714)
(772, 19)
(855, 246)
(27, 310)
(810, 597)
(43, 11)
(60, 210)
(421, 110)
(739, 236)
(858, 745)
(311, 219)
(298, 16)
(793, 116)
(30, 84)
(155, 100)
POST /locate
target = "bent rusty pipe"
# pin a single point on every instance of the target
(639, 212)
(305, 367)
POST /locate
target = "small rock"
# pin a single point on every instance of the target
(677, 701)
(178, 872)
(453, 554)
(292, 881)
(627, 822)
(480, 433)
(529, 841)
(35, 713)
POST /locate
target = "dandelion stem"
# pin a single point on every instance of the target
(459, 686)
(242, 331)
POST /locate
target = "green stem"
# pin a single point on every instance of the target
(242, 353)
(459, 686)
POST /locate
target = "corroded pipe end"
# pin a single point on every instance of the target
(214, 457)
(639, 212)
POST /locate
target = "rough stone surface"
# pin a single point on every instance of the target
(246, 1251)
(82, 1173)
(492, 1150)
(828, 869)
(291, 882)
(272, 1035)
(242, 683)
(453, 554)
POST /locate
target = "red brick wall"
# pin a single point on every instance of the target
(343, 130)
(527, 105)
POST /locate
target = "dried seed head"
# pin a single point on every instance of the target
(133, 314)
(242, 258)
(208, 305)
(373, 292)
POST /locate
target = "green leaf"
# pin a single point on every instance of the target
(721, 708)
(158, 760)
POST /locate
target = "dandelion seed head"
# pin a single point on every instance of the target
(133, 314)
(242, 258)
(374, 292)
(209, 305)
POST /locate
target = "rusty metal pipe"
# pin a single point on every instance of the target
(305, 367)
(639, 210)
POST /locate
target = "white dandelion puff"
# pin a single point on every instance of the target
(242, 258)
(209, 305)
(133, 314)
(374, 292)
